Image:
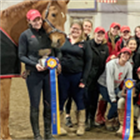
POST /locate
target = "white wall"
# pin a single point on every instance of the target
(125, 14)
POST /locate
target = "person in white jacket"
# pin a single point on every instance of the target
(116, 71)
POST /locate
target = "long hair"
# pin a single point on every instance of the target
(88, 20)
(81, 38)
(135, 30)
(112, 38)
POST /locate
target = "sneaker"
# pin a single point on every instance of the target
(68, 122)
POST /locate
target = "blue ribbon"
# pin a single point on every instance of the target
(53, 101)
(128, 114)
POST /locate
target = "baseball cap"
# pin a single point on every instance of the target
(125, 28)
(114, 24)
(32, 14)
(138, 70)
(98, 29)
(125, 49)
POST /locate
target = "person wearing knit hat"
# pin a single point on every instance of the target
(100, 54)
(112, 37)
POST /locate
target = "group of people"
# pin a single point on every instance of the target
(87, 67)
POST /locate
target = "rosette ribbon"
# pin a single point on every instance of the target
(128, 123)
(51, 63)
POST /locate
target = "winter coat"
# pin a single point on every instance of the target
(110, 47)
(99, 56)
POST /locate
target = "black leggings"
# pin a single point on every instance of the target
(68, 105)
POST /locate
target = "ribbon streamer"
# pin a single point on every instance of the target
(52, 63)
(128, 131)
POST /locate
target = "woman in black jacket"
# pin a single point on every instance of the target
(76, 63)
(87, 27)
(31, 41)
(99, 56)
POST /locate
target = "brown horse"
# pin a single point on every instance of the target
(13, 19)
(13, 22)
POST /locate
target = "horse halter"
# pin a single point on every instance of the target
(50, 24)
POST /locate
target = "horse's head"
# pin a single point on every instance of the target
(55, 16)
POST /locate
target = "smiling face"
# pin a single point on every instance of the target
(132, 45)
(126, 35)
(36, 23)
(124, 57)
(75, 30)
(137, 32)
(115, 31)
(99, 36)
(87, 26)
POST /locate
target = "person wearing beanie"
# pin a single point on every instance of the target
(31, 41)
(99, 56)
(116, 71)
(112, 37)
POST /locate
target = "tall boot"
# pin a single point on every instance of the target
(34, 119)
(100, 120)
(109, 124)
(5, 85)
(90, 117)
(47, 124)
(62, 130)
(138, 120)
(81, 122)
(121, 118)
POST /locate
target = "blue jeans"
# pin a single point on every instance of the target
(113, 109)
(36, 82)
(69, 86)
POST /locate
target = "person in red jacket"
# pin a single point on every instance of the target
(125, 36)
(112, 37)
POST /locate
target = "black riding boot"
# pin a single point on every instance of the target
(47, 125)
(90, 118)
(34, 119)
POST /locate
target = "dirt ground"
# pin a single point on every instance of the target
(19, 118)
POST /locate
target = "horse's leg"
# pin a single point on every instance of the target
(5, 85)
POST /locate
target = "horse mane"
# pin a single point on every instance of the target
(21, 6)
(17, 7)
